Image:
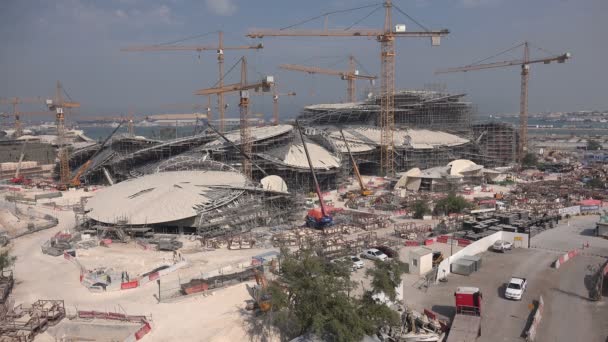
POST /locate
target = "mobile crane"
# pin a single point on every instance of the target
(364, 191)
(75, 182)
(317, 217)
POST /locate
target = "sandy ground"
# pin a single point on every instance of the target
(218, 317)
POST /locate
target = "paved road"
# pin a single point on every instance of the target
(568, 316)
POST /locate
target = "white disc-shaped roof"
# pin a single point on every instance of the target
(162, 197)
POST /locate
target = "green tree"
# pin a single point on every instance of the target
(6, 261)
(451, 204)
(529, 160)
(593, 145)
(420, 208)
(386, 276)
(312, 296)
(596, 183)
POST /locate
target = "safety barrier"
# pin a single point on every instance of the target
(429, 242)
(129, 284)
(564, 258)
(538, 315)
(412, 243)
(443, 239)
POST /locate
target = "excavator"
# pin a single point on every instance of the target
(317, 217)
(75, 181)
(364, 190)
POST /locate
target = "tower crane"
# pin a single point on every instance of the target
(243, 88)
(275, 101)
(58, 105)
(349, 75)
(15, 102)
(386, 36)
(525, 75)
(220, 48)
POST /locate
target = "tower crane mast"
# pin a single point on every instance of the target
(386, 37)
(243, 88)
(524, 63)
(58, 105)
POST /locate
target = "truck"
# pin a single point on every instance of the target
(466, 325)
(515, 288)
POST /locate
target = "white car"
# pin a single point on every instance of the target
(502, 246)
(374, 254)
(357, 263)
(516, 287)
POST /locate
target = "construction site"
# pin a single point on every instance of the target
(133, 237)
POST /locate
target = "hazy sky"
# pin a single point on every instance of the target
(78, 42)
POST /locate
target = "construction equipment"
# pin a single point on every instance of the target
(316, 218)
(19, 179)
(75, 182)
(275, 102)
(525, 75)
(348, 75)
(220, 48)
(466, 325)
(386, 36)
(15, 102)
(364, 191)
(243, 88)
(58, 105)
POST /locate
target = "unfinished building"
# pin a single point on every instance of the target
(497, 142)
(190, 195)
(420, 109)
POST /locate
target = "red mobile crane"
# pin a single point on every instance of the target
(317, 217)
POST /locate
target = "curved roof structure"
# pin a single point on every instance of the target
(164, 197)
(294, 155)
(366, 138)
(274, 183)
(462, 165)
(257, 133)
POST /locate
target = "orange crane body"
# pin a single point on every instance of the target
(525, 75)
(386, 37)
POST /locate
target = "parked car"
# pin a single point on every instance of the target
(357, 262)
(374, 254)
(516, 287)
(391, 253)
(502, 246)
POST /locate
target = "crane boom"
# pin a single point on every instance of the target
(261, 33)
(233, 87)
(76, 179)
(199, 48)
(20, 159)
(312, 171)
(364, 191)
(317, 70)
(560, 59)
